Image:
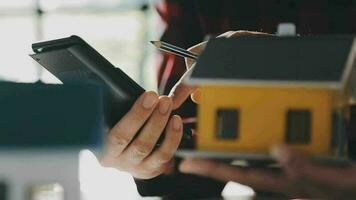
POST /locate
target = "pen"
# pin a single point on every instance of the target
(174, 49)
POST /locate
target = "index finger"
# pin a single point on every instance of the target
(257, 179)
(299, 165)
(196, 49)
(125, 130)
(181, 91)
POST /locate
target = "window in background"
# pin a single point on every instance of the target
(17, 33)
(119, 29)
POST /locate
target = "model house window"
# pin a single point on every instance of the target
(227, 123)
(298, 126)
(338, 139)
(335, 129)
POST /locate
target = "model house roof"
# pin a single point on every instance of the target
(324, 61)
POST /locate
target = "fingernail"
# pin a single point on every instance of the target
(196, 96)
(177, 123)
(184, 165)
(182, 168)
(279, 153)
(164, 107)
(149, 101)
(171, 93)
(275, 152)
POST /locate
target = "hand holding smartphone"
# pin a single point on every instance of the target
(73, 61)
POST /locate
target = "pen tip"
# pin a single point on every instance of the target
(156, 43)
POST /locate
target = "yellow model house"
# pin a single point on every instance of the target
(261, 91)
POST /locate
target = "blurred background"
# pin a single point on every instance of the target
(118, 29)
(121, 30)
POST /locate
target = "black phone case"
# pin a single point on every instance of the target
(73, 61)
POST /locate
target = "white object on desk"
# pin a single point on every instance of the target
(286, 29)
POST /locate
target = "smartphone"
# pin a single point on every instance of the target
(73, 61)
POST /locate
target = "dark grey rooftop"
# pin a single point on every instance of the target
(274, 59)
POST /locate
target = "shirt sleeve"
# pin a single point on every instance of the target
(180, 186)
